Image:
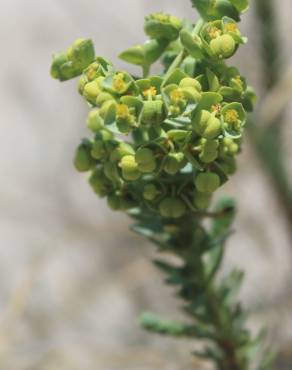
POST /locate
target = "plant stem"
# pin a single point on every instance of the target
(181, 56)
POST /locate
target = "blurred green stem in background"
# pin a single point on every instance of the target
(267, 138)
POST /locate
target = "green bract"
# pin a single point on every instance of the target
(164, 142)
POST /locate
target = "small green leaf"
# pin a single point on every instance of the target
(134, 55)
(213, 81)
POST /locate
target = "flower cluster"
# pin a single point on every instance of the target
(164, 142)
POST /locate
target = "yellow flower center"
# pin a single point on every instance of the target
(160, 17)
(216, 108)
(238, 80)
(214, 32)
(123, 111)
(231, 116)
(231, 27)
(119, 83)
(150, 91)
(176, 96)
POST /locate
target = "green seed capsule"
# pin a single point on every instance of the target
(190, 82)
(174, 162)
(91, 91)
(153, 112)
(207, 182)
(213, 128)
(150, 192)
(148, 167)
(202, 200)
(191, 94)
(122, 150)
(172, 208)
(223, 46)
(144, 155)
(83, 160)
(129, 168)
(94, 121)
(103, 97)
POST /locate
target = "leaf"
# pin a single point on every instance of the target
(191, 43)
(240, 5)
(174, 78)
(209, 99)
(153, 323)
(134, 55)
(213, 81)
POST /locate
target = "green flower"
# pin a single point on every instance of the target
(221, 38)
(233, 117)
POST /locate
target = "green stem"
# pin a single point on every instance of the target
(181, 56)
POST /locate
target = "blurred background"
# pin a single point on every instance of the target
(73, 279)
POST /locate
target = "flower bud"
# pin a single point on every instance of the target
(174, 162)
(153, 112)
(83, 160)
(172, 207)
(223, 46)
(150, 192)
(207, 182)
(202, 200)
(162, 26)
(94, 121)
